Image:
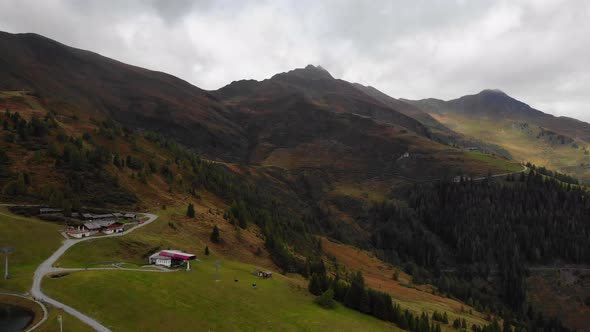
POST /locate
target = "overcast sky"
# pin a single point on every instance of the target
(538, 51)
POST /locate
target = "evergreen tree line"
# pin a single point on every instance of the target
(356, 296)
(21, 130)
(559, 176)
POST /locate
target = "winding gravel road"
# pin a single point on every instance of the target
(47, 268)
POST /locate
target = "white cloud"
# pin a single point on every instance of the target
(535, 50)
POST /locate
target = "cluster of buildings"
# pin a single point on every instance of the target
(108, 216)
(107, 223)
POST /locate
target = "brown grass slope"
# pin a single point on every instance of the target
(318, 86)
(302, 115)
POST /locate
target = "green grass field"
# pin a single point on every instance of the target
(496, 162)
(194, 301)
(69, 323)
(33, 240)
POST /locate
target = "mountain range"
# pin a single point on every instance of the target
(301, 118)
(297, 167)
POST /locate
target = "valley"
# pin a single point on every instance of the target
(373, 213)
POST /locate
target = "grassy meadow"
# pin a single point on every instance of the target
(70, 323)
(33, 240)
(195, 301)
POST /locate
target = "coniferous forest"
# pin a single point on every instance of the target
(456, 235)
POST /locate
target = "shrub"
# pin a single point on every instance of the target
(326, 300)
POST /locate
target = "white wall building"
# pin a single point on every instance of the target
(78, 232)
(170, 258)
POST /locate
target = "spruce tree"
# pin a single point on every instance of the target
(190, 210)
(215, 236)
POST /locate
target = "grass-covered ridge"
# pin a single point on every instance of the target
(526, 142)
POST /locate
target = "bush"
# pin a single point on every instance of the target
(326, 300)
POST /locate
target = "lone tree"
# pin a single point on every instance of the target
(190, 210)
(215, 237)
(206, 251)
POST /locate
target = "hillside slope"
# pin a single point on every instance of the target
(527, 134)
(67, 79)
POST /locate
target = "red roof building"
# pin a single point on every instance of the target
(170, 258)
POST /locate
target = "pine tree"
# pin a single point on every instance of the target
(190, 210)
(215, 236)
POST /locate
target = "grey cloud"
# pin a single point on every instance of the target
(535, 50)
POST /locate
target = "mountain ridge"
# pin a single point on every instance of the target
(559, 142)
